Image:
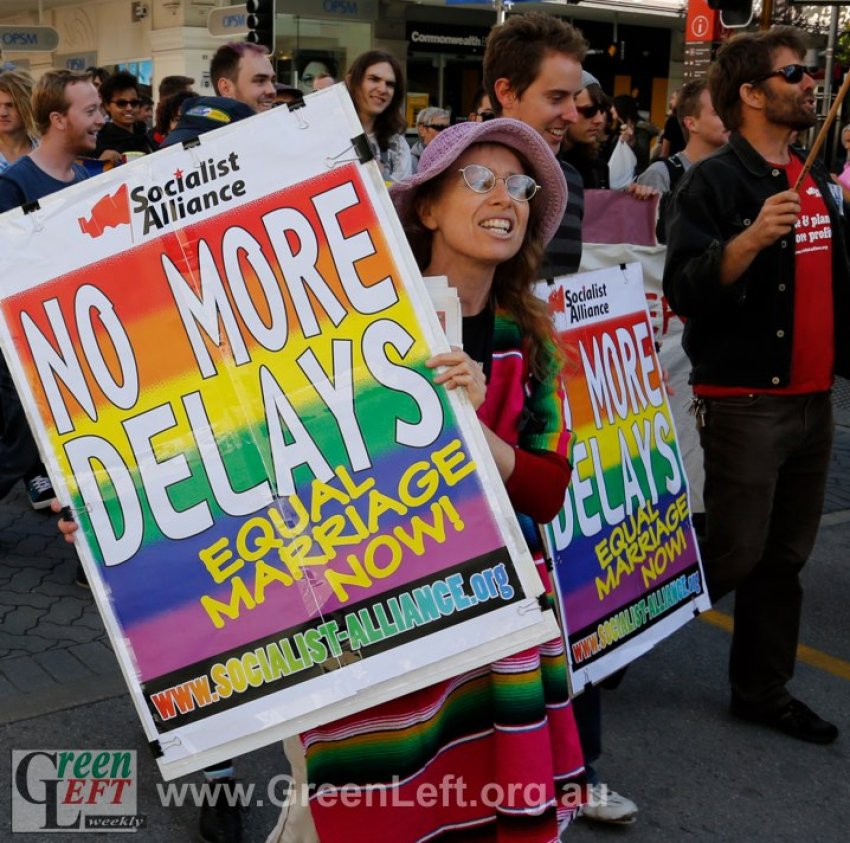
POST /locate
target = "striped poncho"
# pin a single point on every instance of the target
(484, 755)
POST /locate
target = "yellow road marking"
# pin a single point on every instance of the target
(808, 655)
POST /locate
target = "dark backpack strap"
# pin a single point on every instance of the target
(676, 170)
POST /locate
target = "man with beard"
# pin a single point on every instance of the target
(760, 272)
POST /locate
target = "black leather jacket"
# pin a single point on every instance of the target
(741, 334)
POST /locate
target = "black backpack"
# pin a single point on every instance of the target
(676, 169)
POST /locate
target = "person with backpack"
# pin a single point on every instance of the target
(704, 133)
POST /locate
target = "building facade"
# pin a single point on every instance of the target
(636, 45)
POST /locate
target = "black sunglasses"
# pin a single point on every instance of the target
(485, 115)
(126, 103)
(791, 73)
(588, 111)
(437, 127)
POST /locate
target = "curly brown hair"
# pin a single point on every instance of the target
(513, 281)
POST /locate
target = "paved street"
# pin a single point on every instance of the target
(669, 743)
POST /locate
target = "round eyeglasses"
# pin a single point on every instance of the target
(482, 179)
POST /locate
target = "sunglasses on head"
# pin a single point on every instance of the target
(588, 111)
(791, 73)
(482, 179)
(127, 103)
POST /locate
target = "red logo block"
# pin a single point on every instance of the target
(108, 212)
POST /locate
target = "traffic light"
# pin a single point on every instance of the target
(260, 22)
(734, 14)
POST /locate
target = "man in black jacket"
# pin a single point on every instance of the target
(759, 269)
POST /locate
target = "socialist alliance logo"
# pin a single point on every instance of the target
(212, 183)
(109, 211)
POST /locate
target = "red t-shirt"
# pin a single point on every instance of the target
(813, 352)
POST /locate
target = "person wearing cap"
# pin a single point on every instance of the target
(205, 114)
(487, 198)
(168, 115)
(287, 95)
(581, 145)
(243, 79)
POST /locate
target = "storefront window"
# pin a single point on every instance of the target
(309, 49)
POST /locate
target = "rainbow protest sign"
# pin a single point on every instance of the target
(628, 571)
(283, 519)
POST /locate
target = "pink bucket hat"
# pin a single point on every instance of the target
(450, 144)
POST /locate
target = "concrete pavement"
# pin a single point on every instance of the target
(669, 743)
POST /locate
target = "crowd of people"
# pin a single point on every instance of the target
(755, 264)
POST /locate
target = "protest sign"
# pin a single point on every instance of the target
(619, 229)
(627, 565)
(221, 349)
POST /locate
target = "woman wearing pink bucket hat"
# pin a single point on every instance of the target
(492, 754)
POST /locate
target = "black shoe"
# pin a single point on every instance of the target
(80, 577)
(40, 491)
(794, 718)
(612, 682)
(221, 821)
